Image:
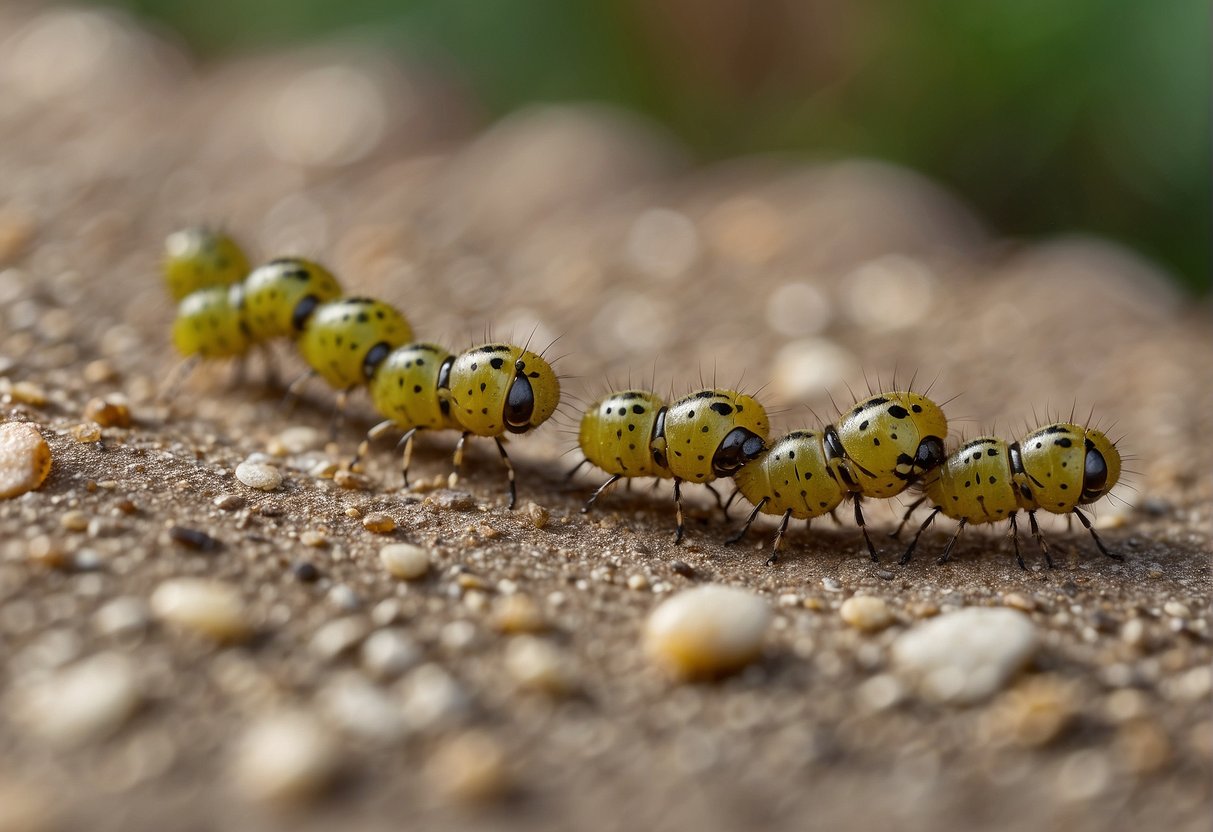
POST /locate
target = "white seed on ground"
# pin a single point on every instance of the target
(388, 653)
(259, 475)
(87, 701)
(285, 758)
(866, 613)
(469, 768)
(536, 664)
(965, 656)
(209, 608)
(25, 459)
(707, 631)
(405, 560)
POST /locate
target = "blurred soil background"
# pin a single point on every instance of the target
(507, 687)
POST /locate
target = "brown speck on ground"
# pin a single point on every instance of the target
(512, 688)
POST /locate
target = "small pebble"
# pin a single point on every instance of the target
(450, 500)
(259, 475)
(285, 758)
(405, 560)
(351, 480)
(537, 514)
(108, 414)
(430, 697)
(965, 656)
(1034, 713)
(209, 608)
(305, 571)
(336, 638)
(296, 440)
(470, 768)
(707, 631)
(536, 664)
(343, 597)
(362, 709)
(86, 433)
(87, 701)
(198, 541)
(683, 568)
(638, 582)
(1178, 609)
(25, 459)
(388, 653)
(122, 617)
(26, 392)
(314, 539)
(518, 614)
(229, 502)
(379, 523)
(866, 613)
(831, 585)
(47, 552)
(1019, 602)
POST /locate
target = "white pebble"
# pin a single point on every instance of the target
(967, 655)
(87, 701)
(285, 758)
(25, 458)
(362, 709)
(866, 613)
(122, 616)
(405, 560)
(259, 475)
(338, 637)
(707, 631)
(538, 665)
(210, 608)
(388, 653)
(430, 697)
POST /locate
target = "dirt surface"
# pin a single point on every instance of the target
(573, 224)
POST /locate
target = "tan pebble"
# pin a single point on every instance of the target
(352, 480)
(379, 523)
(537, 514)
(450, 500)
(26, 392)
(86, 433)
(789, 599)
(707, 631)
(518, 614)
(923, 609)
(866, 613)
(638, 582)
(26, 807)
(87, 701)
(1142, 747)
(47, 552)
(108, 413)
(209, 608)
(259, 475)
(1133, 632)
(814, 604)
(74, 520)
(325, 469)
(25, 459)
(1019, 602)
(468, 580)
(470, 768)
(1033, 713)
(285, 758)
(353, 513)
(315, 539)
(475, 600)
(487, 532)
(1177, 609)
(99, 371)
(536, 664)
(228, 502)
(338, 637)
(405, 560)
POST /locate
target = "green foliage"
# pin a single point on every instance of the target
(1050, 116)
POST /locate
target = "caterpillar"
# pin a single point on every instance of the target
(1056, 468)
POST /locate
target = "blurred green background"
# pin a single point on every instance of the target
(1050, 115)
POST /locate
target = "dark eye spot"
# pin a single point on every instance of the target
(722, 408)
(898, 412)
(497, 363)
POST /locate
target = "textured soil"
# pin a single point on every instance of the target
(573, 225)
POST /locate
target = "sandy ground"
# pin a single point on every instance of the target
(573, 224)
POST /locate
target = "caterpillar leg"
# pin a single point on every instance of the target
(364, 447)
(295, 389)
(864, 528)
(338, 421)
(783, 527)
(909, 552)
(1013, 533)
(716, 494)
(178, 375)
(509, 471)
(1095, 536)
(457, 457)
(947, 550)
(405, 446)
(678, 506)
(905, 518)
(598, 491)
(573, 472)
(1040, 539)
(741, 533)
